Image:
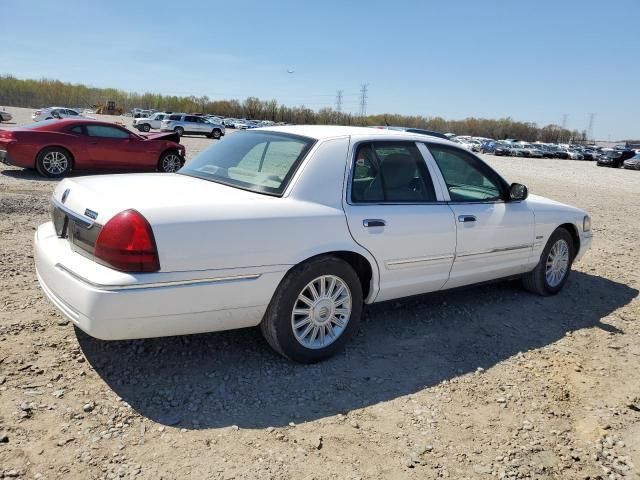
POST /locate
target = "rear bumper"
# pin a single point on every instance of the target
(144, 310)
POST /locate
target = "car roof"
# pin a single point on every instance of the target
(56, 125)
(324, 132)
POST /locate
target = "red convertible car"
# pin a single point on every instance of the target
(55, 147)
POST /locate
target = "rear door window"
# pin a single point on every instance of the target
(391, 172)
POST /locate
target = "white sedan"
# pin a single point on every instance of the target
(55, 112)
(294, 229)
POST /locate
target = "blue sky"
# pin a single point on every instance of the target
(532, 61)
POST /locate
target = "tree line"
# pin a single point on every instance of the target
(32, 93)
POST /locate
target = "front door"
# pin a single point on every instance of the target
(112, 147)
(494, 235)
(394, 211)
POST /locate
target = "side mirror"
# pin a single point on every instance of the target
(518, 192)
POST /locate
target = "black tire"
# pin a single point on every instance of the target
(179, 131)
(145, 127)
(170, 161)
(536, 280)
(277, 326)
(54, 162)
(217, 133)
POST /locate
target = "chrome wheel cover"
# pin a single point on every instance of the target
(55, 163)
(321, 312)
(171, 163)
(557, 263)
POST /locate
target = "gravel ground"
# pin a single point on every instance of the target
(486, 382)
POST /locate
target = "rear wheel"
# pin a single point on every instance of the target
(53, 162)
(179, 131)
(314, 311)
(170, 162)
(554, 266)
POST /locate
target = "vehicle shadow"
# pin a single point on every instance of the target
(233, 378)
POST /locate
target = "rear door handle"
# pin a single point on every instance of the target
(374, 222)
(466, 218)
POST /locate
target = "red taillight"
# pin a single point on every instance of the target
(38, 112)
(126, 243)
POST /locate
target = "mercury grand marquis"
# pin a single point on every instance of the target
(293, 229)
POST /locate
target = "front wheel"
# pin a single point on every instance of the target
(217, 133)
(53, 162)
(314, 311)
(554, 266)
(145, 127)
(179, 131)
(170, 162)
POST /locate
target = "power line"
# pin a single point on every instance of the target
(564, 120)
(339, 101)
(592, 117)
(363, 99)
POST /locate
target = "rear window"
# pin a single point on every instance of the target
(175, 117)
(263, 162)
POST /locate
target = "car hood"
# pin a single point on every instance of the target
(543, 204)
(171, 136)
(159, 197)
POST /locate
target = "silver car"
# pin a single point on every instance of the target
(191, 124)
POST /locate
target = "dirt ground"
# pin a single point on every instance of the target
(486, 382)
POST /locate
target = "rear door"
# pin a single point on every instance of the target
(191, 124)
(495, 235)
(394, 211)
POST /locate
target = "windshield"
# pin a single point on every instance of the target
(263, 162)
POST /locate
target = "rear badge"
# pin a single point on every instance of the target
(91, 214)
(65, 195)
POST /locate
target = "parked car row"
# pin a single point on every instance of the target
(181, 123)
(244, 124)
(618, 156)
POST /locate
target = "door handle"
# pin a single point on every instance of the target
(466, 218)
(374, 222)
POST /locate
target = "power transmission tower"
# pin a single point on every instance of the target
(339, 101)
(592, 117)
(564, 120)
(363, 99)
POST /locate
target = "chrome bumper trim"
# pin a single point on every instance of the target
(411, 262)
(140, 286)
(497, 250)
